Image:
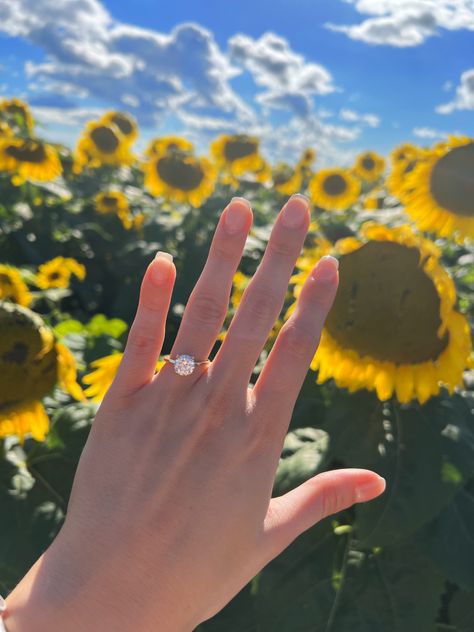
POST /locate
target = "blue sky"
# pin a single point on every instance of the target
(339, 75)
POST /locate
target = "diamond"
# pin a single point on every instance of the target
(184, 364)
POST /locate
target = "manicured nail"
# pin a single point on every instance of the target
(370, 490)
(295, 211)
(326, 268)
(236, 215)
(160, 272)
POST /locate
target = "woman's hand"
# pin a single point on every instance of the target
(171, 511)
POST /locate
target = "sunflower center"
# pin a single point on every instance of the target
(54, 276)
(387, 307)
(104, 139)
(17, 354)
(123, 123)
(5, 280)
(452, 181)
(368, 163)
(28, 151)
(282, 176)
(239, 148)
(109, 200)
(335, 184)
(178, 173)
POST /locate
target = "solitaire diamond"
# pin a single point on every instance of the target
(184, 364)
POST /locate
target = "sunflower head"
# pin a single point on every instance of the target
(307, 157)
(12, 286)
(57, 273)
(180, 176)
(17, 114)
(27, 356)
(404, 153)
(286, 180)
(5, 130)
(440, 190)
(393, 327)
(159, 146)
(30, 159)
(125, 123)
(237, 153)
(334, 189)
(102, 144)
(369, 166)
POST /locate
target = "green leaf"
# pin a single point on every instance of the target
(412, 458)
(99, 325)
(449, 539)
(67, 327)
(304, 453)
(461, 611)
(396, 590)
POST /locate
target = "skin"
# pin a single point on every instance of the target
(171, 511)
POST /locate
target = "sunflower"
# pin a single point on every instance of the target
(57, 273)
(286, 180)
(12, 286)
(398, 182)
(180, 176)
(125, 123)
(334, 189)
(31, 363)
(115, 202)
(237, 154)
(17, 113)
(5, 130)
(103, 374)
(404, 153)
(30, 159)
(441, 197)
(393, 327)
(160, 146)
(307, 157)
(102, 144)
(369, 166)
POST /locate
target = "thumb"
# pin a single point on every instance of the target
(326, 494)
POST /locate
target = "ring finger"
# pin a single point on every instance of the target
(207, 305)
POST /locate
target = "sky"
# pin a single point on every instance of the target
(341, 76)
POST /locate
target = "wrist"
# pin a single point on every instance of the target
(49, 598)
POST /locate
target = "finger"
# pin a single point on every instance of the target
(263, 298)
(208, 303)
(147, 332)
(319, 497)
(285, 369)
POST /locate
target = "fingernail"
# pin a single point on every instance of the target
(160, 272)
(235, 215)
(295, 211)
(326, 268)
(370, 490)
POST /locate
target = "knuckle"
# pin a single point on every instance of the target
(282, 247)
(297, 341)
(263, 304)
(139, 342)
(207, 310)
(222, 253)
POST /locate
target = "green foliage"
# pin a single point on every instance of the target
(402, 563)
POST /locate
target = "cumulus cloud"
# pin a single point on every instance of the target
(288, 81)
(372, 120)
(429, 133)
(464, 98)
(88, 51)
(406, 23)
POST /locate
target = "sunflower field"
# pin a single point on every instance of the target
(391, 387)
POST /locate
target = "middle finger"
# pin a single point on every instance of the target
(264, 296)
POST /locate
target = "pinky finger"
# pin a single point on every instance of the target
(147, 333)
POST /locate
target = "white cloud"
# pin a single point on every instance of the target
(89, 52)
(288, 80)
(405, 23)
(372, 120)
(429, 133)
(464, 98)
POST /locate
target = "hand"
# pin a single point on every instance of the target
(171, 511)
